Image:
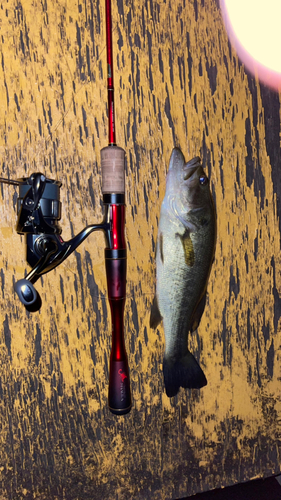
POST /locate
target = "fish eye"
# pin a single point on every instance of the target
(203, 180)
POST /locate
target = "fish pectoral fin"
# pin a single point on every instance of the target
(197, 314)
(188, 249)
(155, 315)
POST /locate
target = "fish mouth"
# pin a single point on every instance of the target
(190, 172)
(191, 167)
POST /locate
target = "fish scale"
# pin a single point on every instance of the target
(184, 256)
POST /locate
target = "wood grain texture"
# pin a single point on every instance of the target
(178, 83)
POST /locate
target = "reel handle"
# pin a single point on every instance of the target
(27, 294)
(24, 288)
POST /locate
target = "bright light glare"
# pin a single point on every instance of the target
(254, 28)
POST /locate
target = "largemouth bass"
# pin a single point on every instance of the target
(184, 256)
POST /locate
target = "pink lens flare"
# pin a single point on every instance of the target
(253, 27)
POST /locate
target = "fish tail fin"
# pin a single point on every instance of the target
(182, 372)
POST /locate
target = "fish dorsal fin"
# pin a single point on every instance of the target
(155, 315)
(197, 313)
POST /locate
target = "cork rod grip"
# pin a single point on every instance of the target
(113, 169)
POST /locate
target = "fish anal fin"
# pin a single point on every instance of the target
(155, 315)
(197, 314)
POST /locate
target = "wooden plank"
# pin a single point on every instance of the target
(178, 82)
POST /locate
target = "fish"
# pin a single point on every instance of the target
(185, 253)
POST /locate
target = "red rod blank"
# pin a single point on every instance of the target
(110, 86)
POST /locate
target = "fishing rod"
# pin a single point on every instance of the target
(39, 212)
(113, 189)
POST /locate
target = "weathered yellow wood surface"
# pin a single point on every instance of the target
(177, 83)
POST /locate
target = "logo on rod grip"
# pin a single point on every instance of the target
(122, 374)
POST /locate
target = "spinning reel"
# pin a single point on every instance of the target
(39, 210)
